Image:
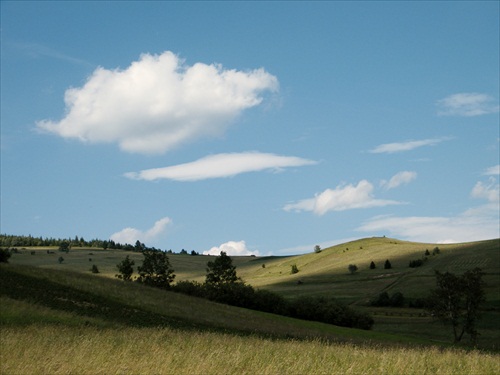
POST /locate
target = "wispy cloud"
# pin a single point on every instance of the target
(221, 165)
(343, 197)
(158, 103)
(132, 235)
(390, 148)
(492, 171)
(398, 179)
(235, 248)
(467, 105)
(35, 51)
(477, 223)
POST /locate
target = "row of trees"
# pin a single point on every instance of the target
(65, 244)
(224, 286)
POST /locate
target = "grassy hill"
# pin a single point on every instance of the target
(61, 318)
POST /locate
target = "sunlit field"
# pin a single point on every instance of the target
(78, 350)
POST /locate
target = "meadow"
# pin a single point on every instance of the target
(60, 318)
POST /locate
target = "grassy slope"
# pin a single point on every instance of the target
(326, 274)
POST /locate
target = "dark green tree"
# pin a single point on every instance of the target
(352, 268)
(156, 270)
(126, 269)
(221, 271)
(64, 246)
(317, 249)
(457, 300)
(372, 265)
(387, 265)
(295, 269)
(94, 269)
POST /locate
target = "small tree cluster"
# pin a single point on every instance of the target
(396, 300)
(156, 270)
(417, 263)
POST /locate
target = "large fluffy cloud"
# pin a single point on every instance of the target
(343, 197)
(232, 248)
(131, 235)
(220, 165)
(467, 104)
(158, 103)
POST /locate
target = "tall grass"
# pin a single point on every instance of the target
(49, 349)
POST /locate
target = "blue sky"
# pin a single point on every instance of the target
(250, 127)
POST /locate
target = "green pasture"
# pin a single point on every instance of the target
(326, 274)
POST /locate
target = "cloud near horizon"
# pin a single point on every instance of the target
(221, 165)
(343, 197)
(475, 224)
(235, 248)
(158, 103)
(467, 105)
(132, 235)
(390, 148)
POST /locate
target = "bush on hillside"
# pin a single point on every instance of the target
(384, 300)
(4, 256)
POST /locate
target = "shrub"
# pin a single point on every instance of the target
(372, 265)
(295, 269)
(352, 268)
(60, 260)
(387, 265)
(94, 269)
(4, 256)
(416, 263)
(317, 249)
(383, 300)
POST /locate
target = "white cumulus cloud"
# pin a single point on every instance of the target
(398, 179)
(234, 248)
(220, 165)
(158, 103)
(343, 197)
(131, 235)
(467, 105)
(390, 148)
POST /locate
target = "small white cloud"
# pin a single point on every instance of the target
(221, 165)
(343, 197)
(492, 171)
(390, 148)
(467, 105)
(158, 103)
(490, 192)
(132, 235)
(235, 248)
(399, 179)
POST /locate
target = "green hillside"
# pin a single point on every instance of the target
(61, 318)
(326, 274)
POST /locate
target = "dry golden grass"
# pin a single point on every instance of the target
(89, 350)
